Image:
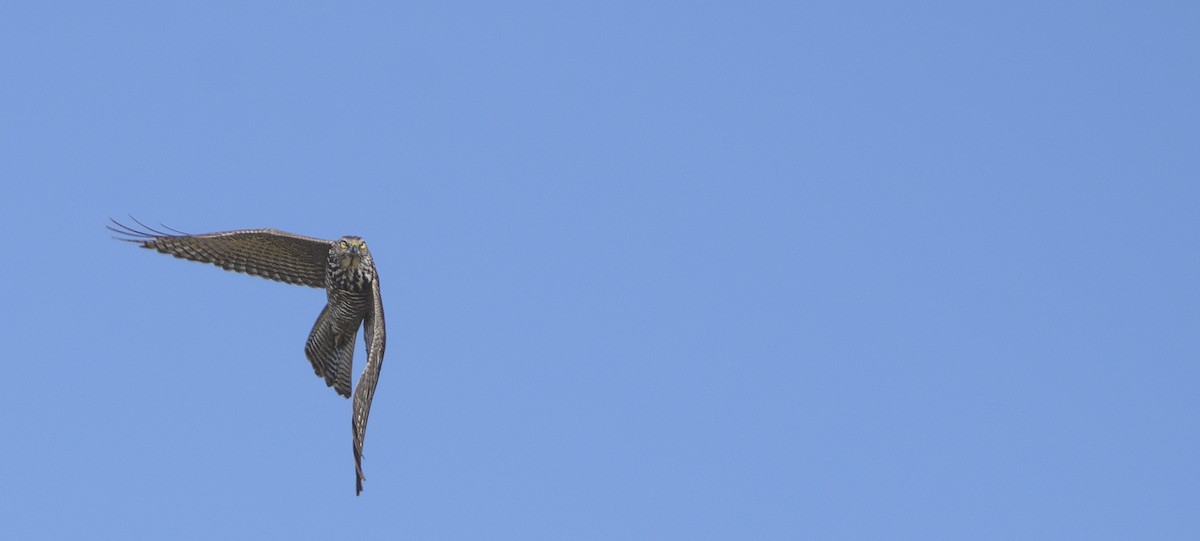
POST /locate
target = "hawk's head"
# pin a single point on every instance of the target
(350, 264)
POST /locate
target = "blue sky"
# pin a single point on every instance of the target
(652, 270)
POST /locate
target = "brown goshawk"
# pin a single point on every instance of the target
(344, 268)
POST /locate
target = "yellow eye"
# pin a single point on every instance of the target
(345, 246)
(363, 245)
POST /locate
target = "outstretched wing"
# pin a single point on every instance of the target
(376, 337)
(269, 253)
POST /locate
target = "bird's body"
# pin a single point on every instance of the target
(344, 268)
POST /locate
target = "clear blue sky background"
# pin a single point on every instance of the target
(683, 270)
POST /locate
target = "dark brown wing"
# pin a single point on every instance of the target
(376, 336)
(269, 253)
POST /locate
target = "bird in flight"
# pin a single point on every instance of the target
(343, 267)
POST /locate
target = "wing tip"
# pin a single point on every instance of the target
(358, 473)
(144, 236)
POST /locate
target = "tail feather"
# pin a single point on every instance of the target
(331, 352)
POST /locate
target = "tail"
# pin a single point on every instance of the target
(331, 352)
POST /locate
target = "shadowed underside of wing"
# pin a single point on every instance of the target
(269, 253)
(375, 334)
